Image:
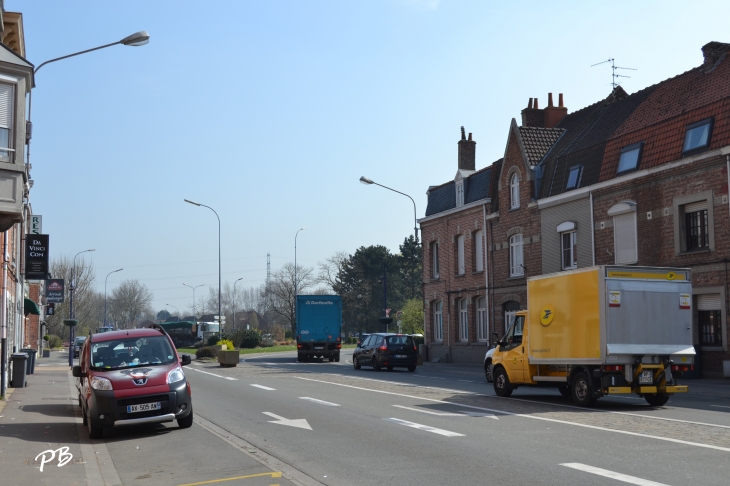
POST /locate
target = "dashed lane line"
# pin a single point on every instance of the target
(321, 402)
(431, 412)
(213, 374)
(612, 474)
(719, 406)
(446, 433)
(263, 387)
(532, 417)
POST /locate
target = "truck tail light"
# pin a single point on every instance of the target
(612, 368)
(299, 346)
(683, 367)
(339, 346)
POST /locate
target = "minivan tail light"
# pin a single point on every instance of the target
(384, 347)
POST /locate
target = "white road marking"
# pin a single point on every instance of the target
(466, 381)
(719, 406)
(264, 387)
(528, 416)
(213, 374)
(440, 414)
(449, 414)
(611, 474)
(320, 401)
(298, 423)
(426, 428)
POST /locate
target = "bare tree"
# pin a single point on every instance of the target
(281, 291)
(130, 301)
(332, 269)
(85, 298)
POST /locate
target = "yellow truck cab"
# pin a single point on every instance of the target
(600, 331)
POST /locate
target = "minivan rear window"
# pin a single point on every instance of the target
(400, 340)
(127, 353)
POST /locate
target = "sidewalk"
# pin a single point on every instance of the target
(38, 418)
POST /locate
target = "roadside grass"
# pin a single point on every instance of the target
(272, 349)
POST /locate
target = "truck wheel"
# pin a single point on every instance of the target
(331, 359)
(412, 368)
(337, 358)
(390, 368)
(564, 390)
(355, 363)
(582, 390)
(656, 399)
(502, 386)
(488, 371)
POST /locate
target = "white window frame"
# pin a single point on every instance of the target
(459, 194)
(478, 251)
(434, 259)
(482, 323)
(438, 322)
(460, 260)
(516, 256)
(514, 191)
(625, 233)
(7, 117)
(463, 321)
(568, 228)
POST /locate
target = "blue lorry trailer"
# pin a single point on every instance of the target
(319, 326)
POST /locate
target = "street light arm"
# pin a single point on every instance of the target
(415, 218)
(75, 54)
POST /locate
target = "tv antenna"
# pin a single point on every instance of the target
(614, 67)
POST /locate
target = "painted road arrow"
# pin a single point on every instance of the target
(300, 423)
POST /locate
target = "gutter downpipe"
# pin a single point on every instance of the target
(593, 231)
(486, 267)
(4, 319)
(491, 267)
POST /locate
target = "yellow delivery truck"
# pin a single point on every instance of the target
(603, 330)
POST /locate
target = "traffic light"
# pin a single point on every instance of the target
(50, 308)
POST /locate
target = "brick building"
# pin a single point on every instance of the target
(637, 179)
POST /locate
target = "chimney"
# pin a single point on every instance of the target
(554, 114)
(713, 52)
(532, 116)
(467, 152)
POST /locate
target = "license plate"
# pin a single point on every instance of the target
(647, 376)
(402, 356)
(144, 407)
(319, 347)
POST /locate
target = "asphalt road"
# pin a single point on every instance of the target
(443, 425)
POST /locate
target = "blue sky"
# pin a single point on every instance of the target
(270, 111)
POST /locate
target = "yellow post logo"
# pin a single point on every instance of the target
(671, 276)
(546, 315)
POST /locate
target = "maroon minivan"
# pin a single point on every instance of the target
(132, 377)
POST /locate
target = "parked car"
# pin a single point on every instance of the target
(78, 344)
(386, 350)
(132, 377)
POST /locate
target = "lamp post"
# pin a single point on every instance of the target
(105, 280)
(367, 181)
(176, 310)
(234, 302)
(220, 317)
(194, 311)
(137, 39)
(296, 289)
(72, 330)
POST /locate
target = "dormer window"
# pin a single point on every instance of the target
(574, 177)
(629, 158)
(514, 191)
(697, 137)
(6, 121)
(459, 194)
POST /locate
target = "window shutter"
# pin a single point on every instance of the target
(479, 253)
(708, 302)
(6, 106)
(624, 238)
(460, 255)
(695, 206)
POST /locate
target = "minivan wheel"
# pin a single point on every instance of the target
(355, 363)
(376, 364)
(186, 422)
(502, 386)
(95, 431)
(582, 390)
(412, 368)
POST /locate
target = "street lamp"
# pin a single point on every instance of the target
(137, 39)
(367, 181)
(107, 277)
(72, 331)
(220, 317)
(194, 311)
(176, 310)
(234, 302)
(296, 289)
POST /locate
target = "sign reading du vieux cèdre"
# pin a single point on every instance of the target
(36, 257)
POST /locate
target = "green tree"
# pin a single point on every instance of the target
(412, 318)
(411, 266)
